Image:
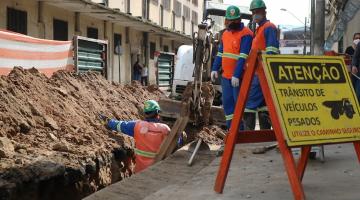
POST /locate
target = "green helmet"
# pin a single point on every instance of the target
(151, 106)
(256, 4)
(232, 13)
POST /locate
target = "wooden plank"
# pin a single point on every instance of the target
(180, 124)
(173, 143)
(166, 143)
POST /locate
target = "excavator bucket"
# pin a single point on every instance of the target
(171, 109)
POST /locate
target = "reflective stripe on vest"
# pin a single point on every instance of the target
(233, 56)
(229, 117)
(272, 49)
(144, 153)
(231, 41)
(148, 138)
(261, 109)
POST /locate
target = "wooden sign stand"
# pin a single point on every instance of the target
(295, 171)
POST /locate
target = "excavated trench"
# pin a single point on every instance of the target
(52, 145)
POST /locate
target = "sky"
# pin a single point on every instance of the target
(299, 8)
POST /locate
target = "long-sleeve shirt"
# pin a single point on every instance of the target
(245, 47)
(356, 56)
(272, 42)
(126, 127)
(256, 99)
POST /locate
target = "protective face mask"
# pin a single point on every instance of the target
(356, 41)
(257, 18)
(234, 26)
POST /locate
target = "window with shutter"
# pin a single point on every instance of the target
(186, 13)
(166, 4)
(194, 17)
(16, 20)
(177, 8)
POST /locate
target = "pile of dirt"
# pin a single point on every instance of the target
(212, 135)
(54, 122)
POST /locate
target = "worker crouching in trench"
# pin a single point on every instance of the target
(148, 134)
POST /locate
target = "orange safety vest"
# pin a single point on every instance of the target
(148, 138)
(231, 41)
(259, 42)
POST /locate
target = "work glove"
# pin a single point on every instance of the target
(235, 82)
(104, 119)
(214, 75)
(354, 70)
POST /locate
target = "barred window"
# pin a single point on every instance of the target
(177, 8)
(186, 12)
(194, 17)
(166, 4)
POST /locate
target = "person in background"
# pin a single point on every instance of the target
(137, 70)
(349, 52)
(144, 75)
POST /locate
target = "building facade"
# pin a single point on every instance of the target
(133, 28)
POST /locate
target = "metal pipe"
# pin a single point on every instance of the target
(195, 151)
(304, 52)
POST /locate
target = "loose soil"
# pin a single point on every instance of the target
(52, 144)
(49, 128)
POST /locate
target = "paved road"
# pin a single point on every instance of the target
(258, 177)
(262, 177)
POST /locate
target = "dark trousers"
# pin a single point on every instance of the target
(250, 120)
(144, 80)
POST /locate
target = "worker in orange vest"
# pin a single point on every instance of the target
(232, 54)
(265, 40)
(148, 133)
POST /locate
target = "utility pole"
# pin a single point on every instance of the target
(304, 52)
(312, 27)
(319, 32)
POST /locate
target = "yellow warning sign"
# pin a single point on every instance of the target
(314, 98)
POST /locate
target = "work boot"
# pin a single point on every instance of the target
(220, 151)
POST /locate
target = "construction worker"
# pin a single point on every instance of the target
(265, 40)
(232, 54)
(148, 133)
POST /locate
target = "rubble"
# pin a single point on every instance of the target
(212, 135)
(6, 148)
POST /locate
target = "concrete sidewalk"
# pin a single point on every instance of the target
(262, 177)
